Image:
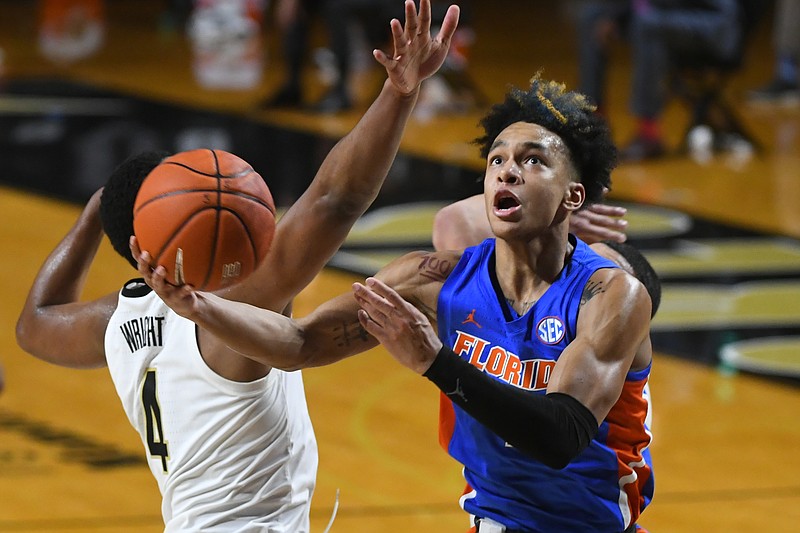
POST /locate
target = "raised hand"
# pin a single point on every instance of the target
(416, 55)
(402, 329)
(599, 222)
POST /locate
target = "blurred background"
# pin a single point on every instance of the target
(706, 111)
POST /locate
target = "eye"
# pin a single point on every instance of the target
(495, 160)
(534, 160)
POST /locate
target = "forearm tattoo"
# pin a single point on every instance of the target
(350, 333)
(592, 289)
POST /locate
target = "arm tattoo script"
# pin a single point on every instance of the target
(434, 268)
(592, 289)
(347, 334)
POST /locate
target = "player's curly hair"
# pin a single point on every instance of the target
(569, 115)
(119, 195)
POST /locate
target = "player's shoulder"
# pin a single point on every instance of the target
(618, 276)
(615, 273)
(617, 288)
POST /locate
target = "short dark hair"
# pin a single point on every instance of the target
(642, 270)
(569, 115)
(119, 196)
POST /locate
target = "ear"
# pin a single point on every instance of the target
(574, 196)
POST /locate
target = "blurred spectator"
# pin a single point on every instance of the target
(785, 85)
(227, 43)
(661, 31)
(354, 28)
(346, 21)
(599, 23)
(293, 19)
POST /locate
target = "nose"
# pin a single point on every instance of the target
(510, 173)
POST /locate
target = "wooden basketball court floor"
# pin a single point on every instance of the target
(723, 234)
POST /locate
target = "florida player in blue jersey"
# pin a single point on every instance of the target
(541, 345)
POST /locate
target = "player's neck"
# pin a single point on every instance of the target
(526, 270)
(542, 256)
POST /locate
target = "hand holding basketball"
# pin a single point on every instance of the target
(182, 299)
(206, 216)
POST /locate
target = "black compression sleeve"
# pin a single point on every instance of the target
(552, 428)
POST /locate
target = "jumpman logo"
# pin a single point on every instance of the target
(458, 391)
(471, 319)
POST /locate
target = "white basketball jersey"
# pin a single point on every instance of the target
(228, 456)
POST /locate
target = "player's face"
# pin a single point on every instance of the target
(528, 178)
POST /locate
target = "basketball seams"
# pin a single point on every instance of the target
(216, 175)
(246, 228)
(216, 160)
(239, 194)
(218, 165)
(187, 167)
(217, 215)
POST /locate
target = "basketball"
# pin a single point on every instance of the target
(206, 216)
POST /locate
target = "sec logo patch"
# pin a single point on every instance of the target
(550, 330)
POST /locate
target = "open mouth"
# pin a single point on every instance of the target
(505, 202)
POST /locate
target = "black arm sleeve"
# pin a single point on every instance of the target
(552, 428)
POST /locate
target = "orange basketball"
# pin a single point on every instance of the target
(206, 216)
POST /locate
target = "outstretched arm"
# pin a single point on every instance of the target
(464, 223)
(54, 325)
(349, 179)
(330, 333)
(586, 381)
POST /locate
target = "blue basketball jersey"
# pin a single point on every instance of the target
(608, 485)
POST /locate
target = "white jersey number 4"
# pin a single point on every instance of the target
(156, 442)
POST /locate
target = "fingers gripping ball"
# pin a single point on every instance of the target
(206, 216)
